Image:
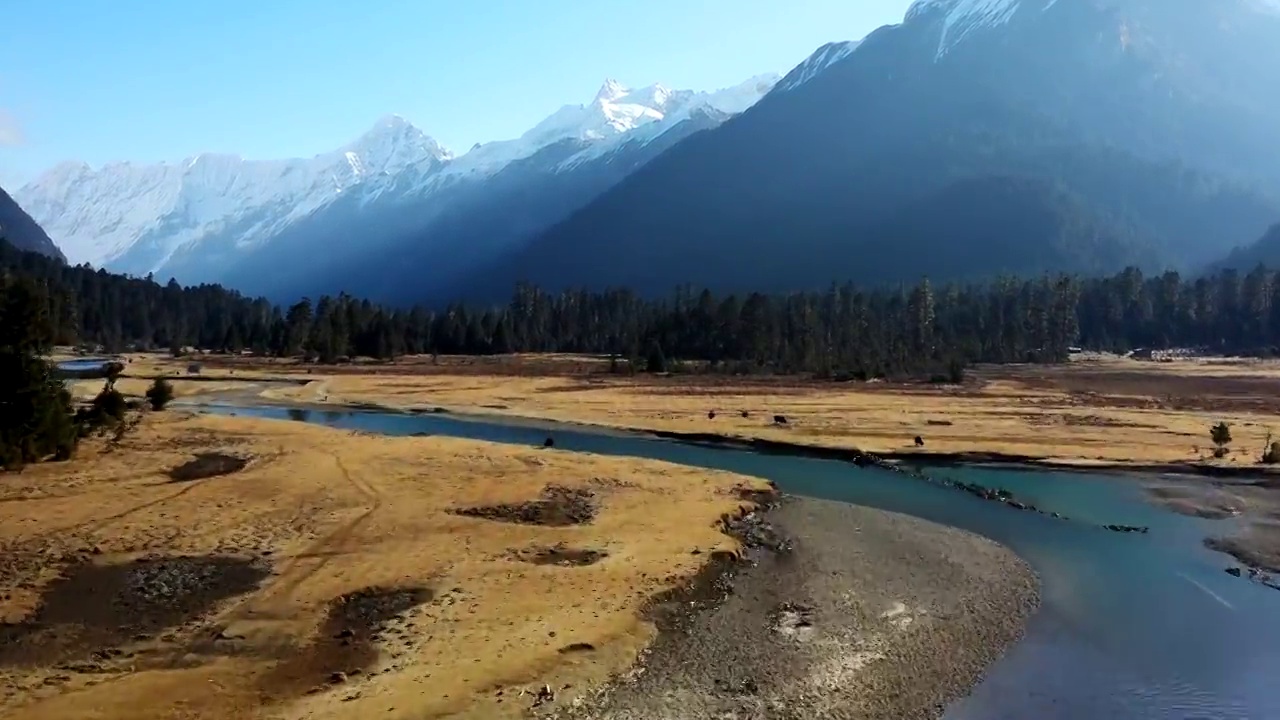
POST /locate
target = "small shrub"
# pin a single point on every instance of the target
(1221, 436)
(159, 394)
(1272, 454)
(110, 404)
(108, 408)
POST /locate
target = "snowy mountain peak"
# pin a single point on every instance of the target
(611, 90)
(133, 217)
(136, 218)
(393, 144)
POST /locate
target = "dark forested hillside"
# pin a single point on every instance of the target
(1266, 251)
(843, 331)
(1103, 99)
(18, 227)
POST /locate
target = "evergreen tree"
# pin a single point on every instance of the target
(35, 408)
(159, 394)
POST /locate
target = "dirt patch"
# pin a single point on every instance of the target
(1152, 389)
(561, 555)
(558, 507)
(207, 465)
(348, 641)
(93, 609)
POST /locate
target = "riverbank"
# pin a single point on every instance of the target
(1102, 413)
(862, 613)
(211, 567)
(1097, 414)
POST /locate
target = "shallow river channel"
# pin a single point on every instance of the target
(1131, 626)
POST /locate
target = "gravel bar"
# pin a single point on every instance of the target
(861, 613)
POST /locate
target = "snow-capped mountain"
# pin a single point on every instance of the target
(976, 136)
(132, 218)
(193, 219)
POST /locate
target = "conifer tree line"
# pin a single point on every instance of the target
(843, 331)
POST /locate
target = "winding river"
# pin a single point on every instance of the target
(1130, 626)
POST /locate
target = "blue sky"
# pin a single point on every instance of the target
(148, 81)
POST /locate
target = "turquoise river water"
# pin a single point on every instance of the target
(1130, 626)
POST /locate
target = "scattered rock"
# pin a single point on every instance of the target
(558, 507)
(94, 608)
(560, 554)
(545, 695)
(207, 465)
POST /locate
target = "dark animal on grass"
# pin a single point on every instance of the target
(779, 419)
(919, 441)
(746, 414)
(711, 415)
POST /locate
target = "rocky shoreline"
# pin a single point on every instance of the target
(831, 610)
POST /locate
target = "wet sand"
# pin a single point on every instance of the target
(862, 614)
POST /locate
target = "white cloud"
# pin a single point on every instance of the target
(10, 131)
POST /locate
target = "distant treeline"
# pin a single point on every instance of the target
(842, 332)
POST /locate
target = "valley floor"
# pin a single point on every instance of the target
(221, 567)
(1094, 413)
(329, 576)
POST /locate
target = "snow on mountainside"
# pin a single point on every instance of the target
(962, 17)
(820, 60)
(615, 116)
(150, 211)
(134, 218)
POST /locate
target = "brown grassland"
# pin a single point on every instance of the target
(1099, 411)
(222, 567)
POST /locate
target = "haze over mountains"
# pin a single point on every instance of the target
(976, 137)
(281, 226)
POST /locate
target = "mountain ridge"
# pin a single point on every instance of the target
(1061, 90)
(23, 232)
(142, 219)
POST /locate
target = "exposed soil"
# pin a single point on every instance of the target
(560, 555)
(1154, 390)
(93, 609)
(1257, 547)
(558, 507)
(207, 465)
(348, 641)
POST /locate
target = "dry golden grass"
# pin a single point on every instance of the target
(1112, 412)
(85, 390)
(1102, 410)
(337, 512)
